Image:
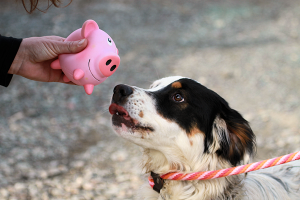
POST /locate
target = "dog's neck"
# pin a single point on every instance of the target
(185, 155)
(221, 188)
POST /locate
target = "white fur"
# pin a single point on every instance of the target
(169, 148)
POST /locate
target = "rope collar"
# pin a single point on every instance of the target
(156, 181)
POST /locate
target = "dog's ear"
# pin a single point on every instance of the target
(236, 141)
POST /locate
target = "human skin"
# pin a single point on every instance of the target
(35, 55)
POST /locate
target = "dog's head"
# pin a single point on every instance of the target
(183, 124)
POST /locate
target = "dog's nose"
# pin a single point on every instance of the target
(121, 92)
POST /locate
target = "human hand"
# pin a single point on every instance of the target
(35, 55)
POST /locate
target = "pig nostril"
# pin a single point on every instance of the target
(108, 62)
(113, 68)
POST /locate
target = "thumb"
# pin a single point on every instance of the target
(71, 46)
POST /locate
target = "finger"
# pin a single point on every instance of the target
(70, 83)
(61, 80)
(55, 38)
(66, 79)
(70, 46)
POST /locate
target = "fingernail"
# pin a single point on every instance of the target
(80, 43)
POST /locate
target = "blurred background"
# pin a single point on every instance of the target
(56, 142)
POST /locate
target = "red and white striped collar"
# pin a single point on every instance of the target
(156, 181)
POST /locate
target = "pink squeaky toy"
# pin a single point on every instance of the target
(95, 63)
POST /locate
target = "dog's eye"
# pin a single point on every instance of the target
(178, 98)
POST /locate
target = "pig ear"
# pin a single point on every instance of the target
(88, 27)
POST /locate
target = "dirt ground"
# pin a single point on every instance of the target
(56, 142)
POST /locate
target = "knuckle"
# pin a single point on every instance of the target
(71, 47)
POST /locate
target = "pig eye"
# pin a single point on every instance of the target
(109, 41)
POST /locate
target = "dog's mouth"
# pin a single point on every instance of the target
(121, 116)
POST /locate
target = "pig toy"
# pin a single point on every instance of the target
(95, 63)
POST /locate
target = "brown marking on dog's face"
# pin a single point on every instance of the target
(193, 132)
(141, 114)
(176, 85)
(183, 106)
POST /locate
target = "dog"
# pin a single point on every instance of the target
(182, 126)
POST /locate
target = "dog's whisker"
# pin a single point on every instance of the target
(104, 111)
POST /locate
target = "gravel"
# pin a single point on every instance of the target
(56, 142)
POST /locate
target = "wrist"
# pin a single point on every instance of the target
(18, 60)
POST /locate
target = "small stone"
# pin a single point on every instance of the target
(33, 191)
(119, 156)
(4, 192)
(19, 186)
(77, 164)
(43, 174)
(56, 192)
(78, 182)
(87, 186)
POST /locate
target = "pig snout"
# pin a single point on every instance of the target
(109, 64)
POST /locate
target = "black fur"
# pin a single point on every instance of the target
(200, 108)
